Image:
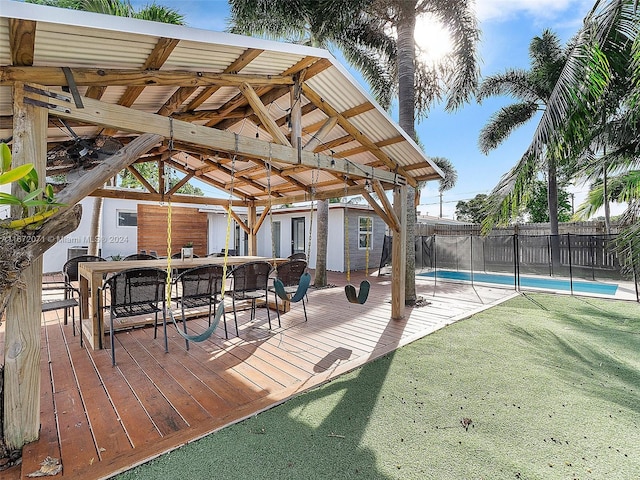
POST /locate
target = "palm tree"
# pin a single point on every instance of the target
(605, 50)
(378, 38)
(118, 8)
(450, 176)
(533, 88)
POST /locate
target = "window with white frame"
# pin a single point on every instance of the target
(365, 232)
(127, 218)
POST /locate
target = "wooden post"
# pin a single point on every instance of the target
(398, 255)
(251, 222)
(23, 313)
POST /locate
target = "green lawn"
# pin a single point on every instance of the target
(540, 387)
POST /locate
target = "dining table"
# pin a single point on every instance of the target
(92, 274)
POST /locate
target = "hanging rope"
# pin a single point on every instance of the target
(219, 314)
(305, 278)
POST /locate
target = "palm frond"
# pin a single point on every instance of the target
(503, 122)
(513, 82)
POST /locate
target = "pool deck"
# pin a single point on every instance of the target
(100, 420)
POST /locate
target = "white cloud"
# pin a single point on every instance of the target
(539, 9)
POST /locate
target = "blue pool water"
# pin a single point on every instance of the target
(533, 282)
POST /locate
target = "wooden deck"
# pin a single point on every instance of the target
(100, 420)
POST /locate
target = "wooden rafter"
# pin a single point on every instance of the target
(141, 179)
(115, 116)
(22, 38)
(354, 132)
(136, 78)
(236, 66)
(261, 111)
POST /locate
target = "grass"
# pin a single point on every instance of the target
(540, 387)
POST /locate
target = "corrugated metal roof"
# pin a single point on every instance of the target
(92, 41)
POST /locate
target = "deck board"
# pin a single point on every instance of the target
(101, 420)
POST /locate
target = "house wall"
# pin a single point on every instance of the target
(357, 255)
(115, 240)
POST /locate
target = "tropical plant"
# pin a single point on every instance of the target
(605, 50)
(533, 89)
(537, 210)
(36, 205)
(450, 177)
(472, 211)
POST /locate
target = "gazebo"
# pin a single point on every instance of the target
(268, 122)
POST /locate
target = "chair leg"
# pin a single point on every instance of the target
(113, 341)
(275, 295)
(305, 310)
(184, 326)
(235, 315)
(164, 326)
(266, 304)
(224, 318)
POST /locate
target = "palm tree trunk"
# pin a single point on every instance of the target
(322, 237)
(605, 198)
(552, 198)
(406, 118)
(95, 230)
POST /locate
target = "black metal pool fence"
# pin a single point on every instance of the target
(579, 257)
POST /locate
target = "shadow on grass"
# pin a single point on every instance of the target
(593, 346)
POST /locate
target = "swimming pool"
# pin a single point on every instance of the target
(546, 283)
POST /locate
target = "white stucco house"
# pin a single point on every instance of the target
(295, 229)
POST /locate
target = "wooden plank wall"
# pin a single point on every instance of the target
(187, 225)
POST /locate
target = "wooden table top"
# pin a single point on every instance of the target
(116, 266)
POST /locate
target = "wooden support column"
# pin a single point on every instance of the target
(23, 313)
(251, 222)
(398, 255)
(296, 115)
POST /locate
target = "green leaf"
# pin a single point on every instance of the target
(35, 203)
(32, 195)
(5, 157)
(15, 173)
(7, 199)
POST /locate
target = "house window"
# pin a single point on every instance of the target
(127, 219)
(365, 232)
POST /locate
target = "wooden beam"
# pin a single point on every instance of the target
(180, 184)
(323, 132)
(261, 111)
(353, 190)
(398, 256)
(141, 179)
(94, 179)
(116, 116)
(251, 222)
(238, 64)
(23, 317)
(388, 208)
(354, 132)
(53, 76)
(22, 39)
(239, 221)
(137, 195)
(261, 220)
(377, 208)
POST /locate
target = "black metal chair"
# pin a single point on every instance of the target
(297, 256)
(200, 287)
(132, 292)
(289, 274)
(140, 256)
(71, 289)
(250, 282)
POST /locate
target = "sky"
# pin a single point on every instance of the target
(507, 29)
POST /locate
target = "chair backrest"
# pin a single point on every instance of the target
(298, 256)
(289, 273)
(70, 269)
(251, 276)
(136, 286)
(203, 281)
(140, 256)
